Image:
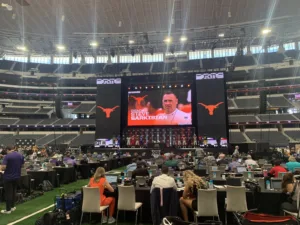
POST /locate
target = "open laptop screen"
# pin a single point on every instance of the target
(111, 179)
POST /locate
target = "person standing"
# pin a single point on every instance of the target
(11, 165)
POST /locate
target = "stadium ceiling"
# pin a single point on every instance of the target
(41, 24)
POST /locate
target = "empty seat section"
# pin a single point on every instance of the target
(279, 101)
(247, 102)
(29, 121)
(83, 139)
(266, 136)
(63, 139)
(236, 137)
(6, 64)
(115, 68)
(242, 119)
(276, 117)
(63, 122)
(84, 108)
(47, 68)
(295, 134)
(83, 122)
(140, 67)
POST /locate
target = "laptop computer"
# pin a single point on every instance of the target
(241, 169)
(276, 184)
(112, 179)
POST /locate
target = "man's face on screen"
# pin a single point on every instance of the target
(169, 103)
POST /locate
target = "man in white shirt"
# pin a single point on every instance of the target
(173, 114)
(163, 181)
(250, 162)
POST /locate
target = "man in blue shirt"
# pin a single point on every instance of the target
(292, 164)
(11, 165)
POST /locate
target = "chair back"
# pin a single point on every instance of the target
(129, 174)
(281, 174)
(207, 202)
(91, 200)
(23, 171)
(248, 175)
(140, 180)
(126, 199)
(215, 174)
(232, 194)
(222, 168)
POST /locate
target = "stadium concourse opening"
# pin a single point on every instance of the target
(111, 106)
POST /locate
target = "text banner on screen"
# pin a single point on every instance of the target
(160, 107)
(108, 111)
(211, 105)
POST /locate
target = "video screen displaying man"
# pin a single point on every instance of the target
(157, 107)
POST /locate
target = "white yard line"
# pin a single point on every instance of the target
(26, 217)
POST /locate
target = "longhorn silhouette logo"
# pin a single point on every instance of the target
(138, 99)
(107, 111)
(210, 108)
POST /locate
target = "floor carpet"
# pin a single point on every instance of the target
(39, 203)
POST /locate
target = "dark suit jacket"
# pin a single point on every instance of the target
(170, 204)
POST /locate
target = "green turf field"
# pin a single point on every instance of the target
(39, 203)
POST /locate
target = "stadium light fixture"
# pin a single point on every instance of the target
(183, 39)
(131, 42)
(168, 40)
(266, 31)
(94, 44)
(221, 35)
(22, 48)
(60, 47)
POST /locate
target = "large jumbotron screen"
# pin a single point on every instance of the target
(160, 107)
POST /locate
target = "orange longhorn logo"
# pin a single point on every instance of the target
(107, 111)
(139, 99)
(210, 108)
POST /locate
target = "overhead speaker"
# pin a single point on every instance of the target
(58, 107)
(262, 102)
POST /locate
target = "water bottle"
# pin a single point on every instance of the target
(125, 173)
(150, 173)
(268, 184)
(211, 184)
(265, 172)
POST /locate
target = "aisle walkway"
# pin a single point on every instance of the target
(37, 204)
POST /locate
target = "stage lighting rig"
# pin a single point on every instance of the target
(112, 52)
(146, 38)
(151, 51)
(132, 52)
(75, 54)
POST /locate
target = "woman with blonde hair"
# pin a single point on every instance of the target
(192, 183)
(99, 181)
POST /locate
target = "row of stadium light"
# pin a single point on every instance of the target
(159, 86)
(167, 40)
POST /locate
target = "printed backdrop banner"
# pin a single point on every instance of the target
(108, 111)
(211, 105)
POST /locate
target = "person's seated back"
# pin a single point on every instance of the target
(99, 181)
(221, 160)
(292, 164)
(140, 171)
(171, 162)
(233, 164)
(132, 166)
(250, 162)
(141, 163)
(277, 168)
(163, 181)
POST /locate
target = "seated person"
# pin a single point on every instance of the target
(140, 171)
(276, 169)
(250, 162)
(221, 159)
(290, 186)
(233, 164)
(192, 183)
(132, 166)
(99, 181)
(141, 162)
(171, 162)
(163, 181)
(292, 164)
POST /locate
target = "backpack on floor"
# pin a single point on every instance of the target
(47, 186)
